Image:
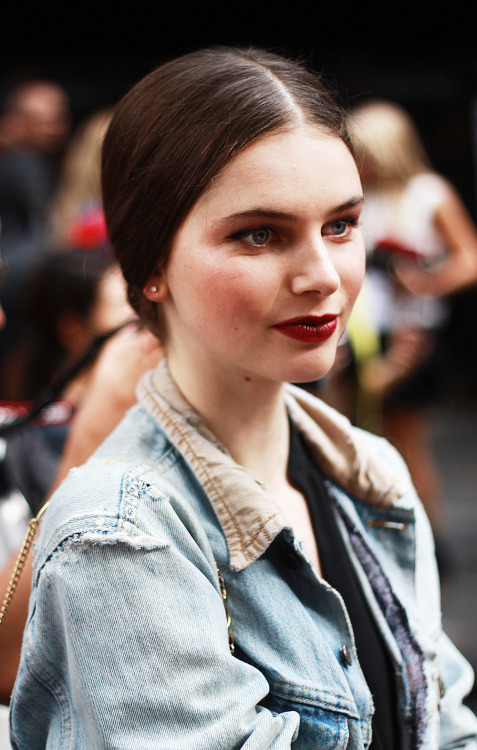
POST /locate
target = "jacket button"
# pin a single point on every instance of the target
(345, 655)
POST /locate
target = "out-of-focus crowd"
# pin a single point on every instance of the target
(62, 288)
(71, 351)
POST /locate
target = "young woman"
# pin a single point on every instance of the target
(233, 202)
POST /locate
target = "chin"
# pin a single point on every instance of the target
(309, 373)
(303, 379)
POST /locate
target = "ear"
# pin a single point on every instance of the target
(156, 289)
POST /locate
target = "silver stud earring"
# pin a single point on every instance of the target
(153, 289)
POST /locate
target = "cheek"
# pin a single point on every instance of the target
(352, 275)
(228, 298)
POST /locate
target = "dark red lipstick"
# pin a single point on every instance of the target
(311, 329)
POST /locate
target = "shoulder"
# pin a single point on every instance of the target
(382, 451)
(366, 466)
(130, 492)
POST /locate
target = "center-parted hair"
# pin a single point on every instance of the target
(178, 128)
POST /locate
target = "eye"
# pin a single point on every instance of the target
(258, 236)
(340, 227)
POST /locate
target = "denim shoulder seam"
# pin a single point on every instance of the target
(116, 525)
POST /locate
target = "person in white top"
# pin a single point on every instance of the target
(421, 247)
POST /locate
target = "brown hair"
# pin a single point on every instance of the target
(178, 128)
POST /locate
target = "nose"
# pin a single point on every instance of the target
(314, 269)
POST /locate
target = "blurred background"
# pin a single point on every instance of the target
(424, 59)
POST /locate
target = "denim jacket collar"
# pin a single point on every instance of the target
(250, 519)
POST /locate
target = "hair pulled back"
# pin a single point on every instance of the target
(178, 128)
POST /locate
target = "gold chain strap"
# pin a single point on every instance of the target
(23, 554)
(20, 562)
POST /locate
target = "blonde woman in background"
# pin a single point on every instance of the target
(77, 215)
(421, 246)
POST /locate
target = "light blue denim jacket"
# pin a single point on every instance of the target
(127, 640)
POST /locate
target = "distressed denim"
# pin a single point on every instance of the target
(127, 640)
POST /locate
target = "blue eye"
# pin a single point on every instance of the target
(259, 236)
(339, 226)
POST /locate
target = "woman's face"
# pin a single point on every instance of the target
(264, 271)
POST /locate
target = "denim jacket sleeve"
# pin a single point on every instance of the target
(144, 661)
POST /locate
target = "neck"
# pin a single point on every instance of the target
(246, 414)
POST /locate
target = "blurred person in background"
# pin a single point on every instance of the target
(75, 296)
(68, 300)
(421, 247)
(77, 218)
(35, 125)
(27, 468)
(69, 296)
(74, 221)
(112, 391)
(15, 512)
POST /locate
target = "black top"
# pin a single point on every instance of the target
(338, 571)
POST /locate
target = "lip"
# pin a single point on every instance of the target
(310, 329)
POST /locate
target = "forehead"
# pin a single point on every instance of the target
(306, 164)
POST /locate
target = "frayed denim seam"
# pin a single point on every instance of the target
(398, 622)
(132, 491)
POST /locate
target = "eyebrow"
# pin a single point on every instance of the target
(274, 214)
